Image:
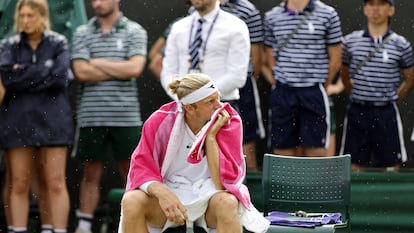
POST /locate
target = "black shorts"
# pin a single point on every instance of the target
(250, 112)
(300, 116)
(373, 135)
(93, 142)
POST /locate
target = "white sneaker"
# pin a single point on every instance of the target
(81, 230)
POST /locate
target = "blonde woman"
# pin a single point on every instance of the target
(36, 125)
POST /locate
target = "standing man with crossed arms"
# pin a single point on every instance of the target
(109, 54)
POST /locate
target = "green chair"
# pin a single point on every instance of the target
(109, 222)
(311, 184)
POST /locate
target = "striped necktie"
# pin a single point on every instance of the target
(195, 47)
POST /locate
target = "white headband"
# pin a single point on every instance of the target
(199, 94)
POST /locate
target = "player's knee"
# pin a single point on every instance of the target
(226, 202)
(133, 202)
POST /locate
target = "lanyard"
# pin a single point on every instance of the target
(205, 41)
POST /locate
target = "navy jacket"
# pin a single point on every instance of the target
(36, 109)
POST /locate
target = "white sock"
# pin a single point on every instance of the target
(60, 231)
(85, 220)
(47, 228)
(20, 230)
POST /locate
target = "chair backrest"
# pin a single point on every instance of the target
(306, 181)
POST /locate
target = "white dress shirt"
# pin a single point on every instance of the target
(225, 51)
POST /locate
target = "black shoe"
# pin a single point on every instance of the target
(182, 229)
(179, 229)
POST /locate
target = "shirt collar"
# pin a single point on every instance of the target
(211, 15)
(367, 34)
(229, 3)
(120, 23)
(232, 1)
(310, 7)
(24, 38)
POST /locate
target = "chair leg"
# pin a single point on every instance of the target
(107, 219)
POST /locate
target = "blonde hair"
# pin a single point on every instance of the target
(188, 84)
(40, 5)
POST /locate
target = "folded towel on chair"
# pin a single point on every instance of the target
(290, 219)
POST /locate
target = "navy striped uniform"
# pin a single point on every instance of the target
(299, 104)
(249, 102)
(373, 122)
